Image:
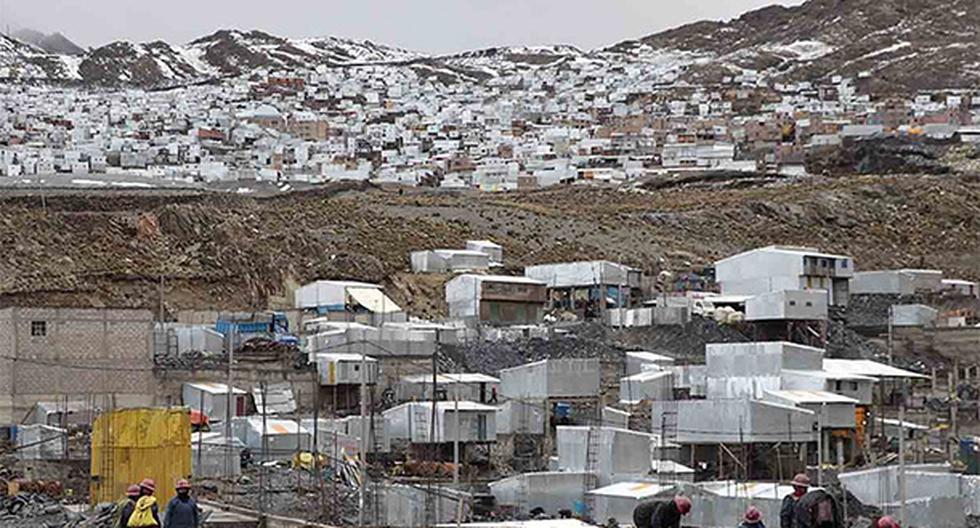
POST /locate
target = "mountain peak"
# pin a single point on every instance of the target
(54, 43)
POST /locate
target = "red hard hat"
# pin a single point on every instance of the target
(183, 484)
(132, 490)
(148, 484)
(887, 522)
(801, 481)
(753, 514)
(683, 504)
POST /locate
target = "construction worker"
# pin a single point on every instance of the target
(124, 508)
(146, 513)
(752, 519)
(817, 509)
(661, 514)
(182, 511)
(887, 522)
(800, 483)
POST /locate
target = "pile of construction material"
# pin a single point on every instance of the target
(38, 510)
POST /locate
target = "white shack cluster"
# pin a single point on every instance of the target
(535, 399)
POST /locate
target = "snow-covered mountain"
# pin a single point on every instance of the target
(898, 44)
(19, 60)
(223, 53)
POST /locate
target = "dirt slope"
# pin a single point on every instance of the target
(237, 252)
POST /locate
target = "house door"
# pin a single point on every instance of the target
(240, 406)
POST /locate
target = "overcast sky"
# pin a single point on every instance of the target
(434, 26)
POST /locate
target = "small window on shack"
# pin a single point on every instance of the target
(39, 328)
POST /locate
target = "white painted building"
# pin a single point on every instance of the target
(776, 268)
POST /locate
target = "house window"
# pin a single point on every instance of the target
(838, 385)
(843, 263)
(809, 304)
(854, 386)
(792, 303)
(39, 328)
(356, 367)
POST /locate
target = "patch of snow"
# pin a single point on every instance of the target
(802, 50)
(89, 183)
(192, 55)
(889, 49)
(72, 64)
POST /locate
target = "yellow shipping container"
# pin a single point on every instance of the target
(129, 445)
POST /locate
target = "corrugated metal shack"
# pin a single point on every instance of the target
(129, 445)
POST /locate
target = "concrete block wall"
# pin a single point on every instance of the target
(79, 355)
(6, 366)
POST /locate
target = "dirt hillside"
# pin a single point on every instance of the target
(112, 248)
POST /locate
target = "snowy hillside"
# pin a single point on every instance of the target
(900, 45)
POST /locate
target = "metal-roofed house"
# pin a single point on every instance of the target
(212, 399)
(274, 399)
(621, 454)
(463, 386)
(617, 501)
(896, 282)
(647, 385)
(776, 268)
(62, 413)
(739, 421)
(740, 370)
(777, 392)
(715, 504)
(341, 375)
(637, 361)
(588, 288)
(465, 421)
(449, 261)
(493, 250)
(735, 417)
(552, 378)
(869, 368)
(550, 490)
(496, 299)
(390, 340)
(349, 301)
(787, 305)
(271, 438)
(834, 412)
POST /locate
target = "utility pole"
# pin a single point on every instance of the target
(823, 409)
(265, 449)
(456, 436)
(161, 299)
(200, 430)
(662, 443)
(902, 490)
(891, 334)
(364, 435)
(230, 404)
